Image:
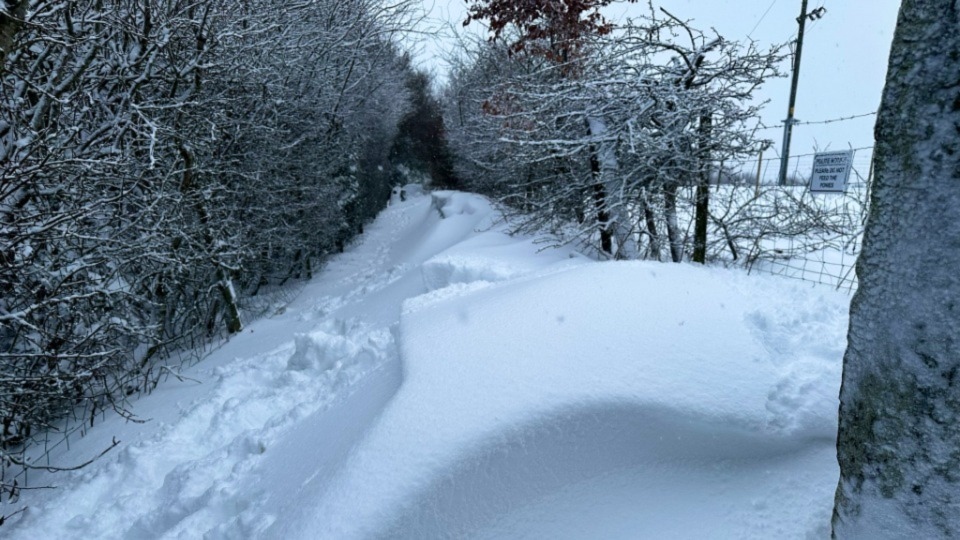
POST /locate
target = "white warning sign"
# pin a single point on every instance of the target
(831, 170)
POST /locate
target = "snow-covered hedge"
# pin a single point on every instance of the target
(160, 165)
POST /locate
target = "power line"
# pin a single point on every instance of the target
(762, 17)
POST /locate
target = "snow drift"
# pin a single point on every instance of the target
(443, 379)
(527, 403)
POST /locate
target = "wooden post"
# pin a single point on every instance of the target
(788, 123)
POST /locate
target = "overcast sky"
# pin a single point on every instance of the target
(842, 68)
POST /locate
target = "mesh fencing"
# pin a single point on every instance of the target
(787, 230)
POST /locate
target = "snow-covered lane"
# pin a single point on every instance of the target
(443, 379)
(294, 390)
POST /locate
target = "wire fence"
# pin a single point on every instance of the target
(765, 170)
(789, 230)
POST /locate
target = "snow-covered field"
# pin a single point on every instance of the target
(444, 380)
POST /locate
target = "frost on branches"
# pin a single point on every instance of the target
(602, 146)
(161, 166)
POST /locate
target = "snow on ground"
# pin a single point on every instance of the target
(444, 380)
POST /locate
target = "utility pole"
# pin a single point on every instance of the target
(788, 123)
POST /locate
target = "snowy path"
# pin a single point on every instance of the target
(441, 380)
(324, 366)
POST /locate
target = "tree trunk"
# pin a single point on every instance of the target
(600, 202)
(650, 220)
(673, 224)
(703, 192)
(231, 303)
(899, 437)
(599, 169)
(231, 308)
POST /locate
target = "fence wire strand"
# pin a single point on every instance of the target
(789, 231)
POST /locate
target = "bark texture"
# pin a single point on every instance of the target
(899, 437)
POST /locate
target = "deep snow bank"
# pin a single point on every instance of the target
(637, 400)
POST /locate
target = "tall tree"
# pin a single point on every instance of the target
(899, 436)
(560, 31)
(421, 142)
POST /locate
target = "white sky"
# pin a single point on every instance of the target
(842, 68)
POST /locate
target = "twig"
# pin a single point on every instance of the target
(180, 377)
(49, 468)
(3, 519)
